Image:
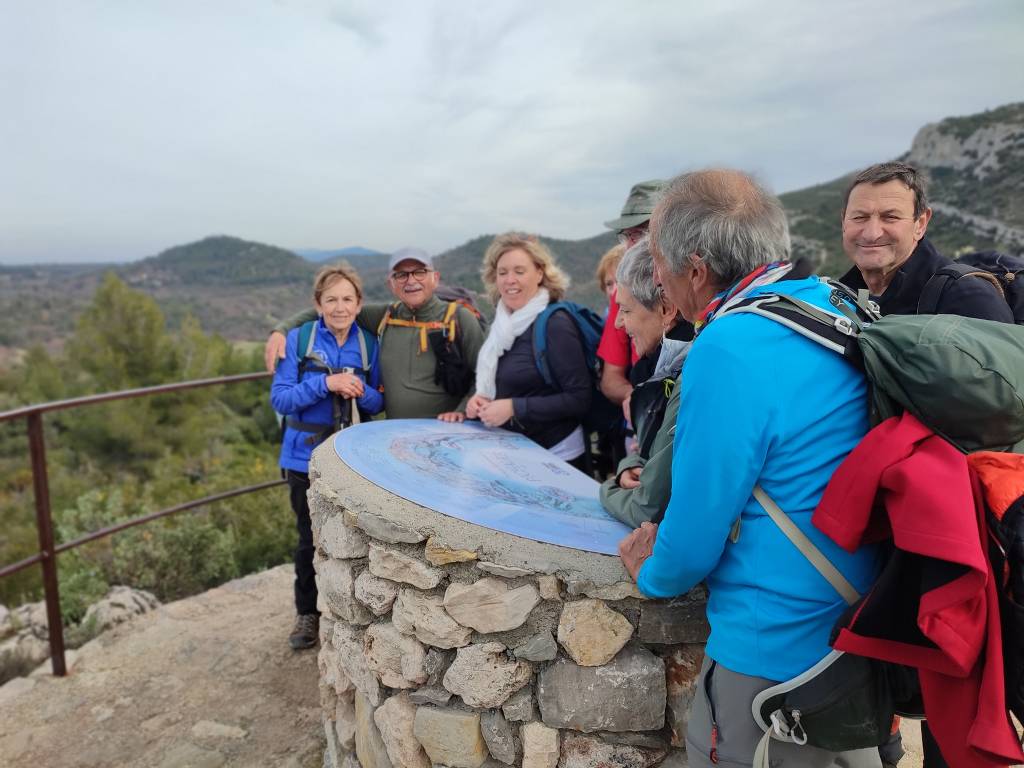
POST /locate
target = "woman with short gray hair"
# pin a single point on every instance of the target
(641, 487)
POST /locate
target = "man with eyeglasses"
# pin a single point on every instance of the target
(413, 331)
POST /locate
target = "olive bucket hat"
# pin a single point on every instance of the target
(639, 205)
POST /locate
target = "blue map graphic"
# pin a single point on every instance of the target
(490, 477)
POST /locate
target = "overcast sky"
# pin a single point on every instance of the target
(127, 127)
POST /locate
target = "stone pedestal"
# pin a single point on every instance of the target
(448, 644)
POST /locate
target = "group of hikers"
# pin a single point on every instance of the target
(743, 419)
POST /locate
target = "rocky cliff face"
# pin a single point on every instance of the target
(976, 166)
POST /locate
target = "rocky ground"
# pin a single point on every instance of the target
(205, 682)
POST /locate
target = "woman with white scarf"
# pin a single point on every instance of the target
(522, 278)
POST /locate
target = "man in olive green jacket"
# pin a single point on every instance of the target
(407, 359)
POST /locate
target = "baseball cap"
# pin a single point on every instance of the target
(411, 254)
(639, 205)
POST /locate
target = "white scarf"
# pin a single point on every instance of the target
(502, 334)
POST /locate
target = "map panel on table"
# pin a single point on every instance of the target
(490, 477)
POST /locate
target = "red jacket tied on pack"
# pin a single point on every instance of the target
(935, 605)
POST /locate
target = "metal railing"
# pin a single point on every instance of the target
(48, 549)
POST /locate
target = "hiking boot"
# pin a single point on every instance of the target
(306, 631)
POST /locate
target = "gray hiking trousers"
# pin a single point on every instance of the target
(732, 694)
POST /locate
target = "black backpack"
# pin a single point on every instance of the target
(1005, 272)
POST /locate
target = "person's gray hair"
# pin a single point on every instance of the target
(724, 217)
(635, 273)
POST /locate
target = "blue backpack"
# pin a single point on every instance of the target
(604, 415)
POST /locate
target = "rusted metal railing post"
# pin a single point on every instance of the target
(47, 547)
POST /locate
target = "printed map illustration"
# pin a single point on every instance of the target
(491, 477)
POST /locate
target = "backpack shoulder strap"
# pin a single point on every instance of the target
(384, 321)
(450, 326)
(928, 304)
(307, 337)
(540, 341)
(364, 354)
(834, 332)
(800, 540)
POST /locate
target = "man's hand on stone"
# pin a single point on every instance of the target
(274, 350)
(637, 547)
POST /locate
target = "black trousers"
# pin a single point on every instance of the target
(305, 583)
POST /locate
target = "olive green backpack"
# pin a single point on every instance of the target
(960, 376)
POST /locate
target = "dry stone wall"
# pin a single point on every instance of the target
(447, 644)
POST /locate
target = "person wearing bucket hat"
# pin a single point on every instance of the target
(615, 350)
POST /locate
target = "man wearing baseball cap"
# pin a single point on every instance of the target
(615, 348)
(412, 332)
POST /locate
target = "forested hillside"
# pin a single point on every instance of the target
(112, 462)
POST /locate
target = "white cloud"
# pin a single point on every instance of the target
(130, 127)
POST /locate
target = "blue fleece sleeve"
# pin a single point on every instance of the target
(288, 395)
(718, 453)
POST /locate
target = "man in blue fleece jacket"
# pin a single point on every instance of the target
(760, 405)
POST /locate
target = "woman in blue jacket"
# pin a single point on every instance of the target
(330, 367)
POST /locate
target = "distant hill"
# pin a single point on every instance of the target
(354, 255)
(976, 166)
(240, 288)
(218, 261)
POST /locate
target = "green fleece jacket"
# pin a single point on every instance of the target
(638, 505)
(406, 372)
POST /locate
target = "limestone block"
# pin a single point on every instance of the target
(342, 541)
(627, 694)
(328, 700)
(540, 647)
(370, 747)
(489, 605)
(676, 759)
(335, 581)
(424, 616)
(375, 593)
(497, 733)
(349, 643)
(620, 590)
(519, 706)
(119, 605)
(540, 746)
(579, 751)
(396, 658)
(682, 668)
(451, 737)
(438, 554)
(681, 620)
(484, 676)
(395, 720)
(436, 664)
(331, 672)
(6, 625)
(396, 566)
(431, 694)
(505, 571)
(592, 633)
(326, 627)
(345, 720)
(333, 752)
(31, 617)
(550, 587)
(382, 529)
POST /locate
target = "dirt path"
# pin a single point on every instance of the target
(201, 683)
(206, 682)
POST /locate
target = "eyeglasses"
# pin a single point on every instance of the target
(402, 276)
